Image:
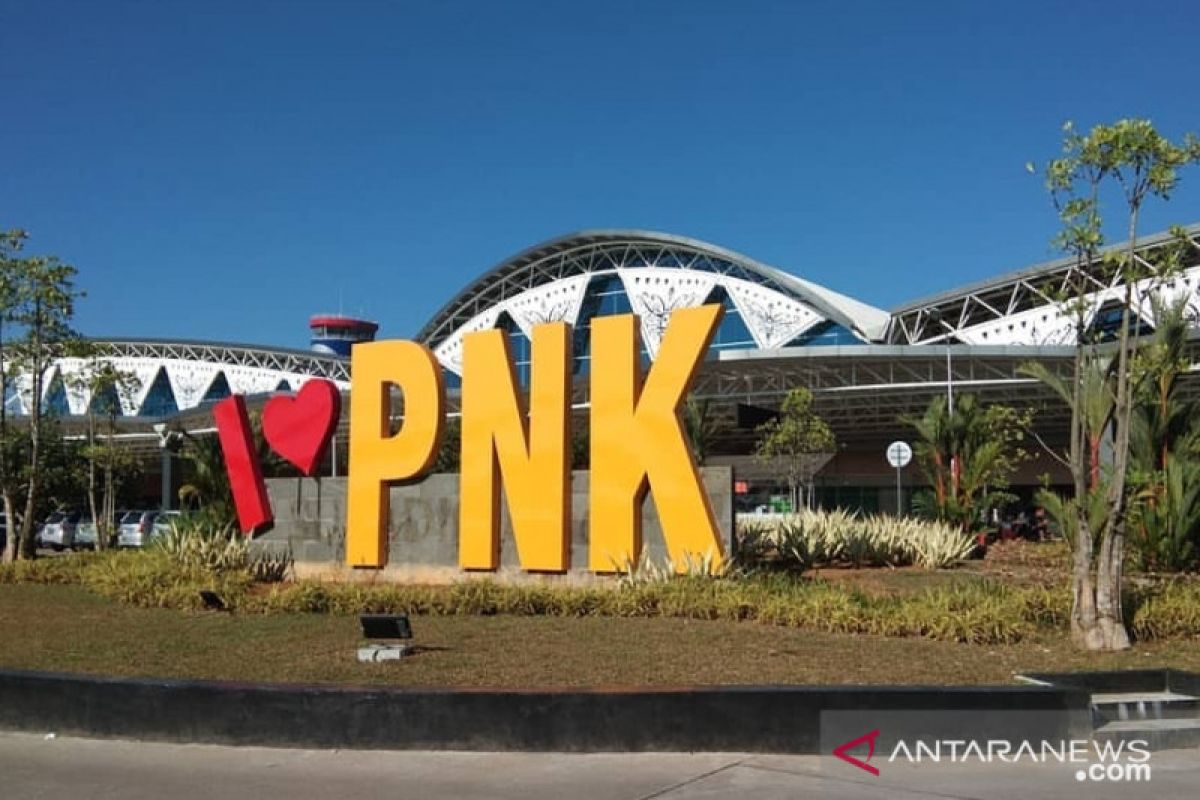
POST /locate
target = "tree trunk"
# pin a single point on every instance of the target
(10, 541)
(10, 530)
(91, 440)
(104, 524)
(1093, 462)
(1085, 632)
(28, 545)
(1110, 617)
(1108, 593)
(37, 365)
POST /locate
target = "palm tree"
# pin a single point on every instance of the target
(1165, 479)
(968, 454)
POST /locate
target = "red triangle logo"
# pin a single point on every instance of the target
(869, 739)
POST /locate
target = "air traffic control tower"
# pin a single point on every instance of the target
(334, 334)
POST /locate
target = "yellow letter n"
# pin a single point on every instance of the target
(637, 442)
(376, 456)
(530, 453)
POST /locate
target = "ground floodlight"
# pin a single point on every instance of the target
(385, 626)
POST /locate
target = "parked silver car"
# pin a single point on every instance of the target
(136, 528)
(85, 534)
(164, 521)
(58, 531)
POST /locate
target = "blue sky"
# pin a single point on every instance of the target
(222, 170)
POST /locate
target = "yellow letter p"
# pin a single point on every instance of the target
(376, 456)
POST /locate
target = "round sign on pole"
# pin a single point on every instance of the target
(899, 454)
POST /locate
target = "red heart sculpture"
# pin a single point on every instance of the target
(299, 428)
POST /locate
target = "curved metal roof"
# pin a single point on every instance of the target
(578, 253)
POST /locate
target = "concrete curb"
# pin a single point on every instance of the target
(752, 719)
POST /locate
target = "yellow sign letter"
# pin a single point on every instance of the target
(530, 456)
(378, 457)
(637, 441)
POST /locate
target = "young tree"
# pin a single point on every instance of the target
(793, 443)
(38, 296)
(1132, 156)
(106, 387)
(45, 303)
(11, 243)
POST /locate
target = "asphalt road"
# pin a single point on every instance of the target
(38, 766)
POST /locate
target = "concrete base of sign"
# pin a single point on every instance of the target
(383, 652)
(310, 518)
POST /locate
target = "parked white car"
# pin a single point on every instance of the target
(58, 531)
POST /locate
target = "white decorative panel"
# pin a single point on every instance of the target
(773, 319)
(655, 292)
(252, 380)
(1045, 325)
(558, 301)
(190, 380)
(449, 352)
(1185, 285)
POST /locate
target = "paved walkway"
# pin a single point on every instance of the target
(34, 766)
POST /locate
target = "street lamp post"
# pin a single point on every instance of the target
(949, 381)
(168, 442)
(936, 317)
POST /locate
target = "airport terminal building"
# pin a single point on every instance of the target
(867, 368)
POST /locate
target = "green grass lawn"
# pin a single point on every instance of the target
(67, 629)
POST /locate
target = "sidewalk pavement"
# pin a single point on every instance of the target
(47, 767)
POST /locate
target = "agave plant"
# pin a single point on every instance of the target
(647, 570)
(195, 544)
(822, 538)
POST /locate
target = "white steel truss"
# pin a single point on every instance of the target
(191, 370)
(1028, 307)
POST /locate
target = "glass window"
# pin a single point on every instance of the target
(732, 334)
(106, 402)
(55, 402)
(1106, 325)
(824, 334)
(217, 390)
(12, 399)
(605, 296)
(520, 348)
(160, 400)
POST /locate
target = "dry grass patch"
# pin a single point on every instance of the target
(67, 629)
